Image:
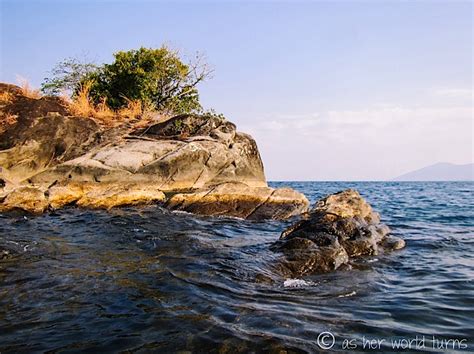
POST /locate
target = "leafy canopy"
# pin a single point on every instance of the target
(156, 76)
(67, 76)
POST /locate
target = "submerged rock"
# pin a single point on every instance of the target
(242, 201)
(339, 227)
(6, 254)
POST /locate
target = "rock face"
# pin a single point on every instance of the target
(25, 111)
(50, 160)
(25, 198)
(88, 195)
(339, 227)
(172, 155)
(242, 201)
(49, 141)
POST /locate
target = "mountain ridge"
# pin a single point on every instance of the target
(441, 171)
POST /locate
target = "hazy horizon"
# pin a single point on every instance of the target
(343, 91)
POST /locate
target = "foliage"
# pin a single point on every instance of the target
(150, 75)
(68, 76)
(154, 77)
(135, 111)
(212, 113)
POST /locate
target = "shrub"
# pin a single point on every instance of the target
(154, 77)
(67, 76)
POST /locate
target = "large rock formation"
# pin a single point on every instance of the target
(200, 161)
(339, 227)
(172, 155)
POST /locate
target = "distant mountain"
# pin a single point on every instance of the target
(440, 172)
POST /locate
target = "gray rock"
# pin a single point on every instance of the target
(340, 226)
(172, 162)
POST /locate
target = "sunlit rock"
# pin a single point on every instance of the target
(210, 167)
(242, 201)
(29, 199)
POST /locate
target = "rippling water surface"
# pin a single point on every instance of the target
(147, 280)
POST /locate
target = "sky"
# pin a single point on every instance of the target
(330, 90)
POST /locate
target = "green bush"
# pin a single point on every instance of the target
(156, 76)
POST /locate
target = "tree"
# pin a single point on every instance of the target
(156, 76)
(151, 76)
(67, 76)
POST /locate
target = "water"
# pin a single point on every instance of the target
(147, 280)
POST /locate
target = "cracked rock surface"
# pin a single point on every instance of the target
(171, 162)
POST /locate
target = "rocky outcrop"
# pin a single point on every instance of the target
(50, 141)
(242, 201)
(29, 199)
(200, 161)
(172, 156)
(339, 227)
(24, 112)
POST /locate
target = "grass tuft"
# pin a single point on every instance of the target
(26, 88)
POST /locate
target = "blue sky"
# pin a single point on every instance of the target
(330, 90)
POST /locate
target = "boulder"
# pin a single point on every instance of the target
(241, 201)
(185, 126)
(50, 141)
(339, 227)
(171, 162)
(26, 111)
(29, 199)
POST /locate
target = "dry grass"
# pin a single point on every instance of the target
(103, 113)
(6, 97)
(138, 113)
(133, 110)
(82, 105)
(27, 90)
(150, 116)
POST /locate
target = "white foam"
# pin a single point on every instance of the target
(296, 283)
(352, 293)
